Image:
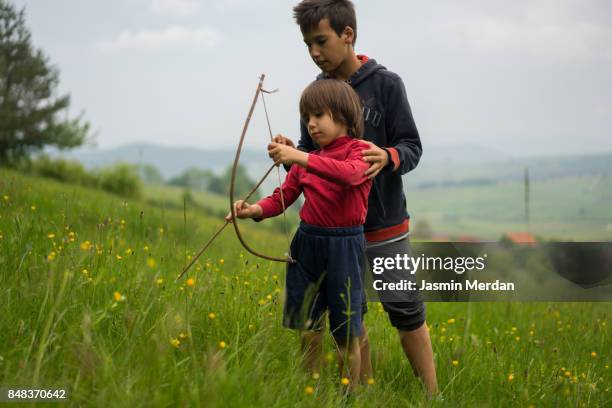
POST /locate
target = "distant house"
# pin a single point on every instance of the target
(520, 237)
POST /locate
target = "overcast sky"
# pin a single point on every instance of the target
(524, 77)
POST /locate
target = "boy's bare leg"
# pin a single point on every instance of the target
(312, 347)
(349, 360)
(417, 347)
(366, 360)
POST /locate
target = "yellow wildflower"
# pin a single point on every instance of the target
(212, 316)
(511, 377)
(593, 354)
(568, 373)
(344, 381)
(6, 197)
(159, 281)
(315, 376)
(146, 248)
(118, 297)
(51, 235)
(175, 342)
(51, 256)
(85, 272)
(151, 262)
(371, 381)
(309, 390)
(191, 282)
(85, 246)
(183, 335)
(261, 302)
(119, 257)
(161, 230)
(455, 362)
(450, 321)
(221, 261)
(222, 344)
(33, 208)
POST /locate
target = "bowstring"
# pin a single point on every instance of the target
(280, 186)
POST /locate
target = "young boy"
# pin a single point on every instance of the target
(329, 244)
(329, 30)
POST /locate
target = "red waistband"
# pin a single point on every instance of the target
(389, 232)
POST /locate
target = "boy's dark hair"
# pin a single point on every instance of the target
(339, 99)
(340, 13)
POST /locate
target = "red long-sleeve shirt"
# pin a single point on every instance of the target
(335, 188)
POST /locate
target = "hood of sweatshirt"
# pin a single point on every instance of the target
(368, 67)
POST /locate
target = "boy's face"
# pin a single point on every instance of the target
(328, 50)
(323, 129)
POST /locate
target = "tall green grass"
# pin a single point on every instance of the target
(88, 303)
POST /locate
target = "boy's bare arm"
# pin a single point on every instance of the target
(245, 210)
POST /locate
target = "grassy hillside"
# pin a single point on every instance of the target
(89, 304)
(572, 208)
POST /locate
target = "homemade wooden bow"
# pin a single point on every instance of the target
(287, 258)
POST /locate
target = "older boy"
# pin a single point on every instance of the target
(329, 30)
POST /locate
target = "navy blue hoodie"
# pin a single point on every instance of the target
(389, 125)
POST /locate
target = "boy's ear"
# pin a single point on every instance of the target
(348, 34)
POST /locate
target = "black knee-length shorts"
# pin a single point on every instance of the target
(327, 276)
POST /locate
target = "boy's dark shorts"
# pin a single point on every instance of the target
(327, 276)
(406, 309)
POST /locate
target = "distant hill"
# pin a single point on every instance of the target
(434, 172)
(170, 161)
(440, 166)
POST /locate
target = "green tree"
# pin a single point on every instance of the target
(150, 174)
(194, 178)
(244, 184)
(30, 108)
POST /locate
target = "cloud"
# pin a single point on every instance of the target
(170, 38)
(544, 31)
(182, 8)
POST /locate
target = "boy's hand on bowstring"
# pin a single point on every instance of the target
(377, 157)
(280, 139)
(284, 154)
(245, 210)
